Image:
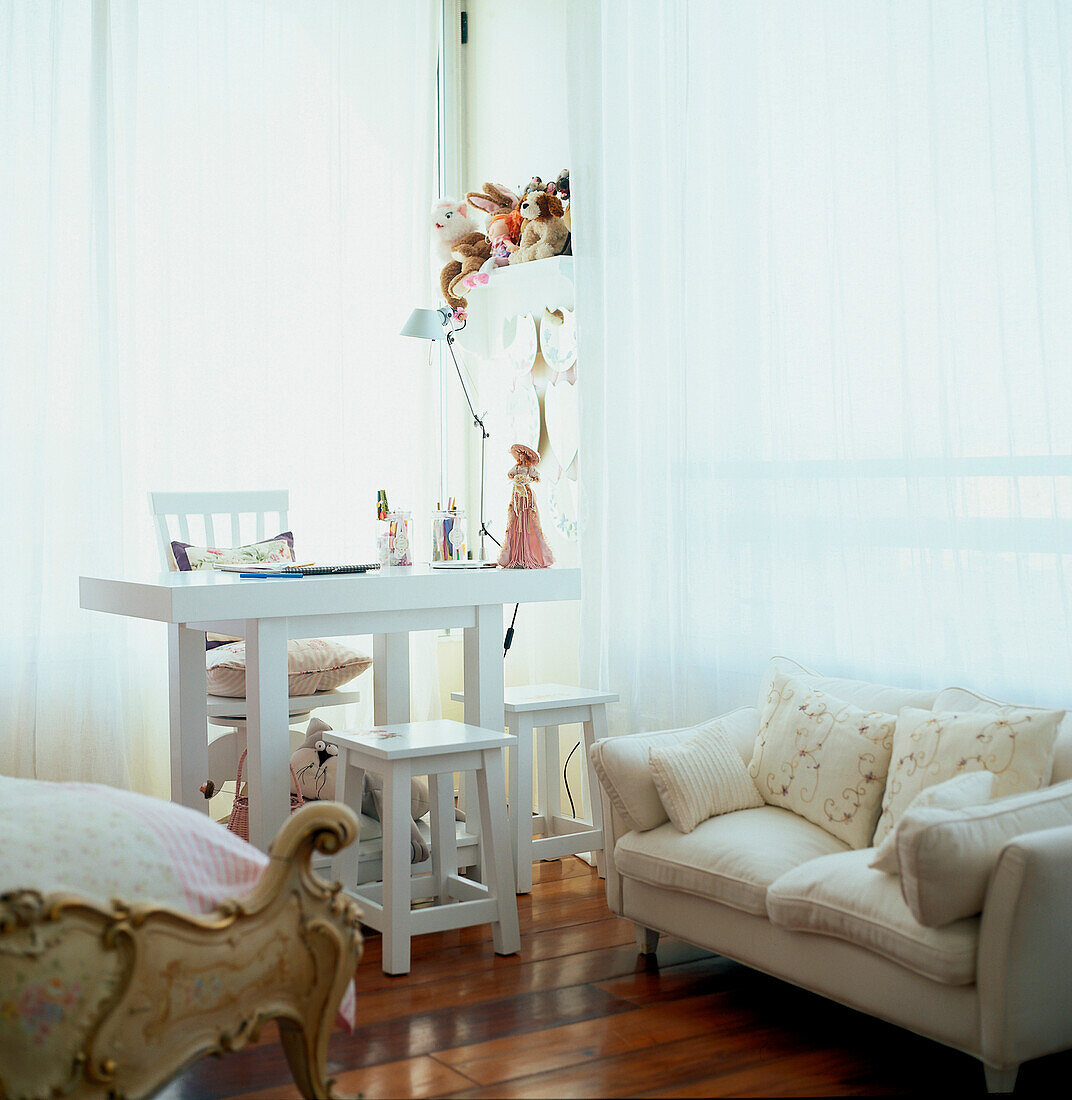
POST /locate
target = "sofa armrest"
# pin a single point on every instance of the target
(1025, 953)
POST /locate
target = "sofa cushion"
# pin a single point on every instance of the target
(930, 746)
(701, 776)
(971, 702)
(731, 859)
(948, 856)
(621, 765)
(840, 896)
(861, 693)
(822, 758)
(313, 664)
(969, 789)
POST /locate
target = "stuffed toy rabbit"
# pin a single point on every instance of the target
(504, 219)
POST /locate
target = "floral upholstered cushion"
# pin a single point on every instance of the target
(822, 758)
(1014, 743)
(189, 557)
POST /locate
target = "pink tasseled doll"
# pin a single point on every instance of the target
(525, 546)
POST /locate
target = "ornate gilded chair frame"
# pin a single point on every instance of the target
(114, 1001)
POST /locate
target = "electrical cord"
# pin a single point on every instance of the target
(569, 795)
(508, 641)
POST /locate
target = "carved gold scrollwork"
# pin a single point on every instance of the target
(118, 999)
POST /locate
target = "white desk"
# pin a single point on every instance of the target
(387, 604)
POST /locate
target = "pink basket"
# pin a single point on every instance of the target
(238, 822)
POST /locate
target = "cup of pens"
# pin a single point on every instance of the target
(449, 541)
(397, 541)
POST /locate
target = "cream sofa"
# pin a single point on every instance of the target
(771, 890)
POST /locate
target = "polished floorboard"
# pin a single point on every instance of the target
(580, 1013)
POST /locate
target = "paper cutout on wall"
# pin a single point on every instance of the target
(558, 339)
(562, 505)
(523, 413)
(521, 354)
(560, 410)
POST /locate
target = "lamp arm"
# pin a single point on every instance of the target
(478, 421)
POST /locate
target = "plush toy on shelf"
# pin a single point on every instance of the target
(545, 233)
(504, 219)
(460, 246)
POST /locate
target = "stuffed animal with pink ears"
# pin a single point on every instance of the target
(504, 221)
(460, 246)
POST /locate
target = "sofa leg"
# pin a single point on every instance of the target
(647, 940)
(1000, 1080)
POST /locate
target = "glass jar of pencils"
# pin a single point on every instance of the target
(449, 542)
(396, 545)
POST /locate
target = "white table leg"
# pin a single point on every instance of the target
(594, 730)
(495, 840)
(349, 787)
(396, 871)
(444, 839)
(483, 686)
(390, 678)
(267, 729)
(189, 724)
(521, 803)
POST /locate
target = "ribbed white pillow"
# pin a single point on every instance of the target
(969, 789)
(701, 776)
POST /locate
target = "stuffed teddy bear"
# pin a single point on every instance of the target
(545, 233)
(315, 764)
(465, 248)
(504, 219)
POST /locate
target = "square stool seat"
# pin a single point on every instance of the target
(436, 749)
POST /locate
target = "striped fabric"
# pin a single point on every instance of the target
(313, 664)
(701, 776)
(101, 843)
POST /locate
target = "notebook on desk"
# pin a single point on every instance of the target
(308, 569)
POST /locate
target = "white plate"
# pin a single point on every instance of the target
(474, 564)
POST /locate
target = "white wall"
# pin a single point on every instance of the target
(515, 91)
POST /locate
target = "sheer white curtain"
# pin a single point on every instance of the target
(824, 275)
(213, 223)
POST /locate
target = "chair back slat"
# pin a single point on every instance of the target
(172, 513)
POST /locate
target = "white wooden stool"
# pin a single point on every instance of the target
(437, 749)
(545, 707)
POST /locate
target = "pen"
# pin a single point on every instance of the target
(265, 576)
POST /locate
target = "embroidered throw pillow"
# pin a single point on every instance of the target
(1014, 743)
(701, 776)
(822, 758)
(969, 789)
(189, 557)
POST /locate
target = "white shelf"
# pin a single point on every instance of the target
(510, 293)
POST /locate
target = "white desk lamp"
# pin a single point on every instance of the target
(438, 324)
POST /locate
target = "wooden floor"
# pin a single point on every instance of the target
(579, 1013)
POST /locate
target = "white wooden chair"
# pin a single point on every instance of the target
(242, 519)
